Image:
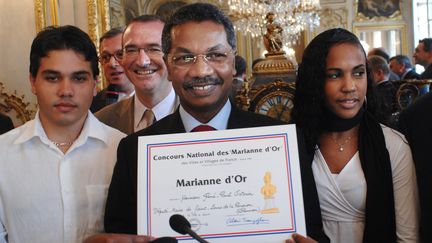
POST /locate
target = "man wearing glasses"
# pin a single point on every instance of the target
(142, 61)
(199, 46)
(119, 87)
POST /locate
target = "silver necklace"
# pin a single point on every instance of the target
(341, 145)
(63, 144)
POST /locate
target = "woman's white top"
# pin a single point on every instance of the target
(343, 196)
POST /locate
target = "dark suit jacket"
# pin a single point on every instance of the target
(416, 123)
(393, 76)
(386, 101)
(5, 124)
(99, 101)
(121, 207)
(427, 74)
(412, 74)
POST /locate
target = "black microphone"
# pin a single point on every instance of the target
(182, 226)
(112, 93)
(165, 240)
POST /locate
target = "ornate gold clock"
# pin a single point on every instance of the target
(273, 99)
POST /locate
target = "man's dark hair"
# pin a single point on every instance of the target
(309, 99)
(146, 18)
(197, 12)
(59, 38)
(111, 33)
(240, 65)
(402, 59)
(380, 52)
(427, 43)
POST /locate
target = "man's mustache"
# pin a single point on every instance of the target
(202, 81)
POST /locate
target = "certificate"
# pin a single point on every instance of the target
(240, 185)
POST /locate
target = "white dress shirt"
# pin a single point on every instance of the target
(167, 106)
(48, 196)
(343, 196)
(219, 122)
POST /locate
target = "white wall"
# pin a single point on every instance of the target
(17, 29)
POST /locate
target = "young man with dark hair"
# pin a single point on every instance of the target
(119, 86)
(142, 61)
(55, 169)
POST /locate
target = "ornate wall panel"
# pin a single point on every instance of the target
(15, 107)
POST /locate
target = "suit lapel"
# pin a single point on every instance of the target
(176, 123)
(125, 115)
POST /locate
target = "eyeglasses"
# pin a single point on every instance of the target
(132, 52)
(187, 59)
(106, 57)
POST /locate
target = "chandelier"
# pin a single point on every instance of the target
(285, 18)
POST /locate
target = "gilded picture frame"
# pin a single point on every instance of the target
(98, 19)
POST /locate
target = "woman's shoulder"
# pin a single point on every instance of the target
(393, 136)
(397, 146)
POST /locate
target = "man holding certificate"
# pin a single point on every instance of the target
(199, 46)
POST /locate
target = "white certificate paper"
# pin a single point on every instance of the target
(240, 185)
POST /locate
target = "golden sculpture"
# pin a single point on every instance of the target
(268, 190)
(273, 37)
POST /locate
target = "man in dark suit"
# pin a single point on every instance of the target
(199, 46)
(5, 124)
(423, 56)
(401, 65)
(386, 91)
(119, 86)
(416, 123)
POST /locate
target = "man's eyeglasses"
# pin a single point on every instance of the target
(187, 59)
(131, 52)
(106, 57)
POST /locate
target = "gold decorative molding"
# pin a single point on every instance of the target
(98, 24)
(410, 89)
(40, 13)
(274, 64)
(13, 102)
(333, 18)
(98, 19)
(54, 12)
(41, 18)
